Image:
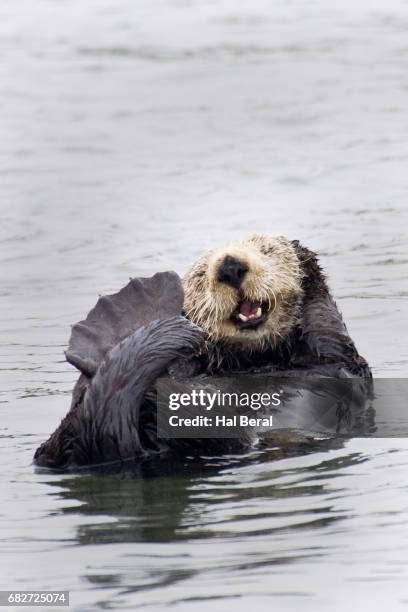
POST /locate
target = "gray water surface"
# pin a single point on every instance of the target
(133, 137)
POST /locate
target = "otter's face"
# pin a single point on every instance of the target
(247, 293)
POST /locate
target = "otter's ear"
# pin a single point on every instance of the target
(116, 316)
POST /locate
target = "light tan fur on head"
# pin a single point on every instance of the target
(273, 277)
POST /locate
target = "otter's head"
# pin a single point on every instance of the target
(247, 294)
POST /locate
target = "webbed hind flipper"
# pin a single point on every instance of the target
(117, 316)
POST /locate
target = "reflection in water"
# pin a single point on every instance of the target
(202, 501)
(134, 497)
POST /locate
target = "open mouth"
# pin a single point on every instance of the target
(249, 315)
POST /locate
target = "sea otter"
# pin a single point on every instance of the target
(255, 305)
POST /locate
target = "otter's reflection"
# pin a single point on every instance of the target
(196, 499)
(152, 502)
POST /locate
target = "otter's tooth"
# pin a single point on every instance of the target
(243, 317)
(258, 312)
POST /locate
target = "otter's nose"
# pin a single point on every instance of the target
(232, 272)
